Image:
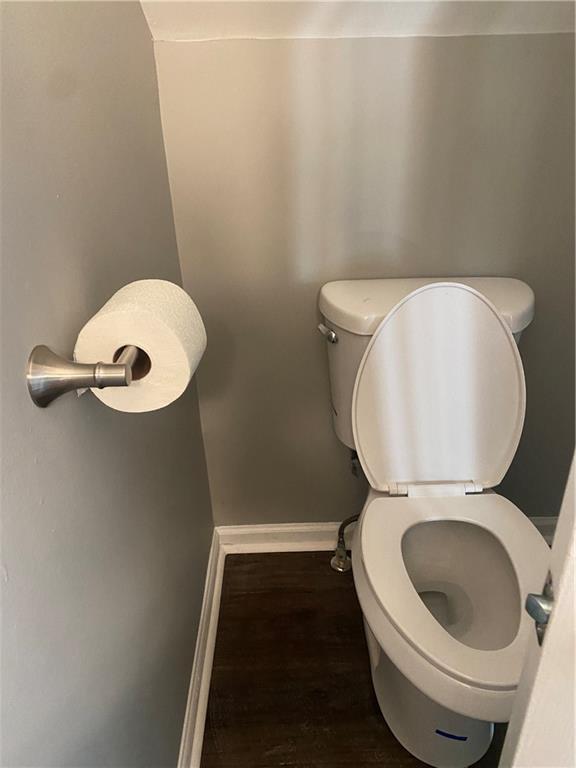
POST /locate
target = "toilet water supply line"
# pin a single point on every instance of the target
(341, 562)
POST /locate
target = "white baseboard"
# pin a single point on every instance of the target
(195, 716)
(285, 537)
(228, 539)
(546, 526)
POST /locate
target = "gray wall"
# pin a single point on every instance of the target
(295, 162)
(106, 516)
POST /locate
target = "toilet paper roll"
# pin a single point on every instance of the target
(159, 318)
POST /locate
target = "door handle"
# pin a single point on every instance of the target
(539, 607)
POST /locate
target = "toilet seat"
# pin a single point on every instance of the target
(384, 524)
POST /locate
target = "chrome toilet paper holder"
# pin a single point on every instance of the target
(49, 375)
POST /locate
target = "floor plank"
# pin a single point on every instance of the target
(291, 681)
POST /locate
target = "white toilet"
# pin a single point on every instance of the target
(428, 387)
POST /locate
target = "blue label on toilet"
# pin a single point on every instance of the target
(451, 735)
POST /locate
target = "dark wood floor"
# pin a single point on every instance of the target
(291, 682)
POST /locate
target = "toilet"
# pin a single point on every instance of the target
(428, 389)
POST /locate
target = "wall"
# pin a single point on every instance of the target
(277, 19)
(106, 516)
(294, 162)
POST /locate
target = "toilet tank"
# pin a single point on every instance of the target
(353, 309)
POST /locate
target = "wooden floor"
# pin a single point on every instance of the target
(291, 682)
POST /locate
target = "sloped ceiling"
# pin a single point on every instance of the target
(182, 20)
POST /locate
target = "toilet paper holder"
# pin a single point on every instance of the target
(49, 375)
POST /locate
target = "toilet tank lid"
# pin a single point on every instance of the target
(359, 306)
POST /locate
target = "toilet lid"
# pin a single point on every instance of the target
(440, 393)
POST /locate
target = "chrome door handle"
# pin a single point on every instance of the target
(539, 607)
(330, 335)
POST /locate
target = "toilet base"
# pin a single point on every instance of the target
(435, 735)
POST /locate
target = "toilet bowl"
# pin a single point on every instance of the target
(440, 582)
(441, 563)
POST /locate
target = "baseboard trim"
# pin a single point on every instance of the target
(285, 537)
(546, 526)
(195, 716)
(236, 539)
